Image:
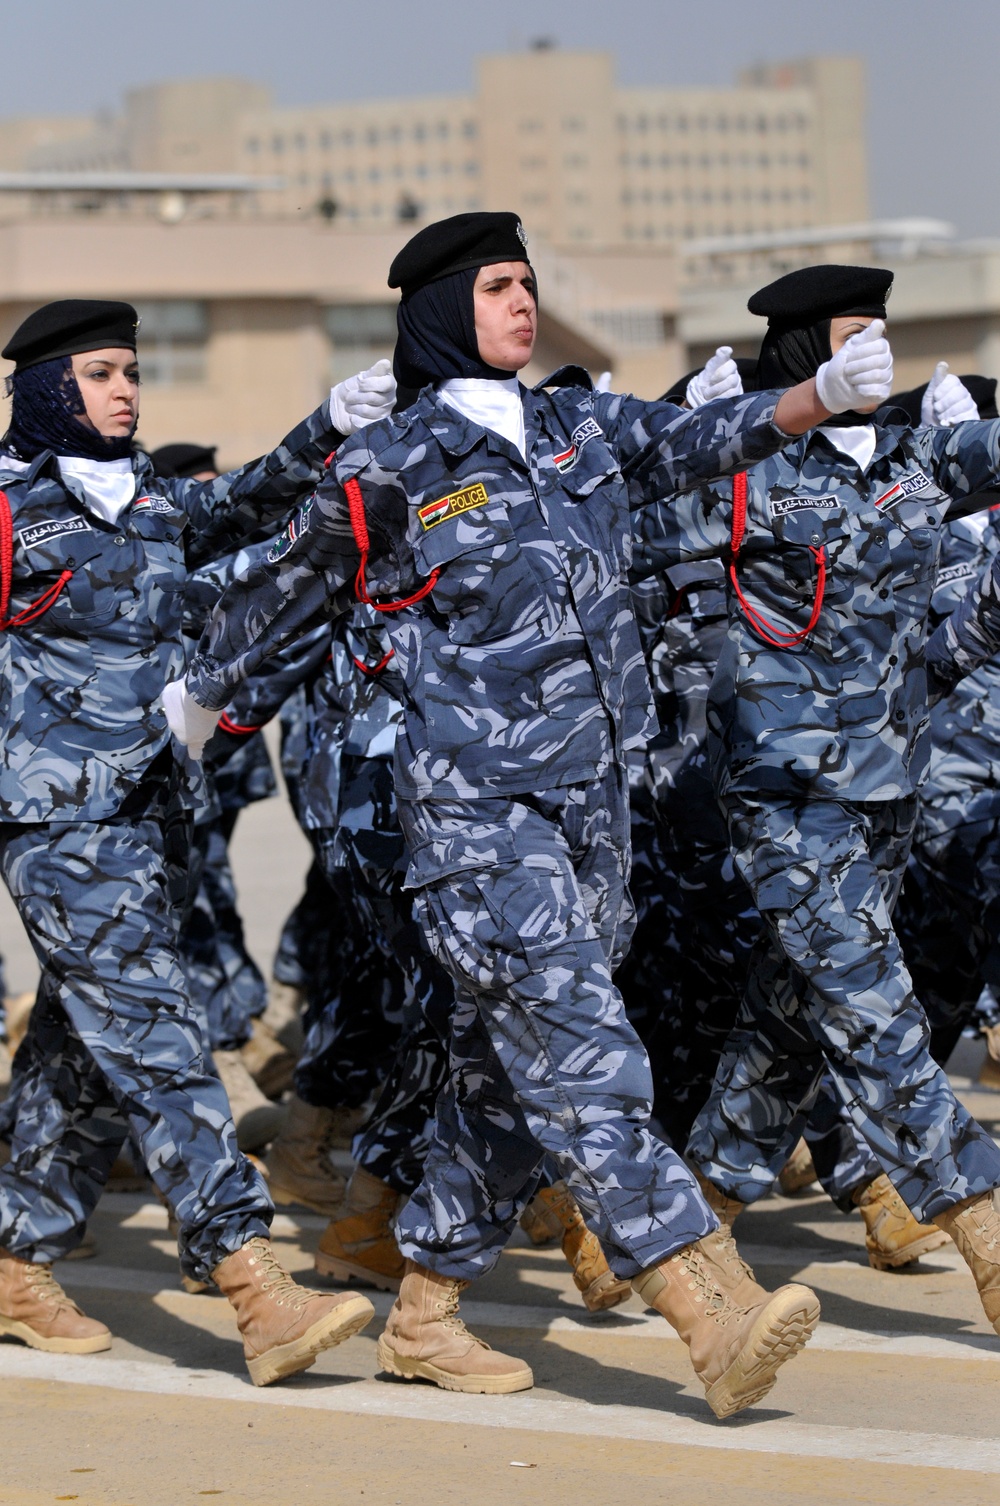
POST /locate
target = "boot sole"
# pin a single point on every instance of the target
(408, 1369)
(909, 1253)
(35, 1340)
(783, 1328)
(283, 1360)
(598, 1299)
(346, 1271)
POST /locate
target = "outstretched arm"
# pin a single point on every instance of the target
(967, 638)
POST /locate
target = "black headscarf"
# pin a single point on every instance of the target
(48, 413)
(436, 337)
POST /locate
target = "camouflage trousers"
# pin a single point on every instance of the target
(683, 978)
(224, 982)
(948, 916)
(523, 900)
(114, 1045)
(828, 986)
(371, 850)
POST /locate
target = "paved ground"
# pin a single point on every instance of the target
(897, 1397)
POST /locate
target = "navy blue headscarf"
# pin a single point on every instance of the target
(48, 413)
(436, 338)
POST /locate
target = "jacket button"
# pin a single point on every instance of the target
(119, 538)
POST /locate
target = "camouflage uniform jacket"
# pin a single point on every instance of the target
(965, 725)
(523, 665)
(81, 683)
(842, 714)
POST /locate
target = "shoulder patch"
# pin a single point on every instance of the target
(965, 571)
(904, 488)
(44, 533)
(296, 528)
(588, 430)
(452, 506)
(781, 505)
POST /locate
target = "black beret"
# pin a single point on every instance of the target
(812, 293)
(456, 244)
(69, 327)
(183, 459)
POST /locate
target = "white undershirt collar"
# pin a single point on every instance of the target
(107, 486)
(492, 402)
(857, 441)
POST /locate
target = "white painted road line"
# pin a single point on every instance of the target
(543, 1414)
(630, 1323)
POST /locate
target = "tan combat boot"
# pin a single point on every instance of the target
(540, 1223)
(361, 1245)
(299, 1169)
(975, 1227)
(798, 1172)
(17, 1010)
(425, 1339)
(283, 1014)
(736, 1351)
(893, 1238)
(592, 1275)
(284, 1326)
(34, 1308)
(732, 1271)
(256, 1118)
(270, 1064)
(989, 1076)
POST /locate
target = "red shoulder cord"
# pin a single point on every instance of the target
(41, 603)
(767, 630)
(355, 502)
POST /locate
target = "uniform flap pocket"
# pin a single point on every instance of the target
(59, 543)
(459, 523)
(156, 517)
(594, 466)
(806, 520)
(471, 849)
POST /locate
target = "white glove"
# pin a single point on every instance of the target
(859, 376)
(603, 383)
(363, 399)
(190, 723)
(946, 400)
(718, 377)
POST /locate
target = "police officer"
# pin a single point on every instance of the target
(817, 719)
(94, 838)
(494, 525)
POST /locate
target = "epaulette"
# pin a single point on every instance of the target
(566, 376)
(361, 449)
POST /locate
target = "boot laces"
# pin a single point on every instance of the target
(731, 1255)
(447, 1306)
(283, 1288)
(717, 1302)
(45, 1286)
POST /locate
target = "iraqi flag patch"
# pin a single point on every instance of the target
(452, 506)
(902, 489)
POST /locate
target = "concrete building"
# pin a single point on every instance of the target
(551, 133)
(245, 324)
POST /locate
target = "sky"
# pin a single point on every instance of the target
(934, 103)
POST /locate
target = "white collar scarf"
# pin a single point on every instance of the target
(105, 486)
(490, 402)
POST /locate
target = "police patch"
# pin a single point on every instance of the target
(452, 506)
(589, 429)
(781, 505)
(44, 533)
(152, 504)
(296, 528)
(904, 488)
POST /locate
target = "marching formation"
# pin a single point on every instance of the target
(648, 752)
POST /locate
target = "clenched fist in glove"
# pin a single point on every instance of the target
(363, 399)
(190, 723)
(946, 400)
(859, 377)
(718, 377)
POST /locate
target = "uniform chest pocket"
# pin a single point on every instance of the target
(485, 587)
(87, 597)
(161, 535)
(803, 525)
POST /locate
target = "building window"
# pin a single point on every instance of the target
(253, 146)
(173, 341)
(360, 334)
(278, 145)
(468, 128)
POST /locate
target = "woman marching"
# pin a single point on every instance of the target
(93, 835)
(493, 525)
